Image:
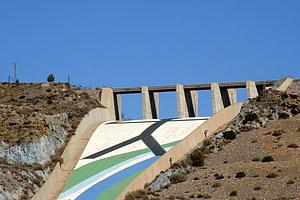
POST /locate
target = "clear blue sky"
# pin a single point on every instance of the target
(133, 43)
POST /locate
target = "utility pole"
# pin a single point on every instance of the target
(68, 79)
(15, 72)
(9, 77)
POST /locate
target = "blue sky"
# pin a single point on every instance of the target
(133, 43)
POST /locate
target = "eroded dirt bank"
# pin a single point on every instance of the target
(36, 122)
(256, 156)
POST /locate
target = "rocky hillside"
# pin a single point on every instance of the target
(36, 122)
(255, 156)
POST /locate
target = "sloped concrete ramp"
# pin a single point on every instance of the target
(117, 152)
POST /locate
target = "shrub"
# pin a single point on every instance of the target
(206, 196)
(215, 185)
(290, 182)
(267, 159)
(37, 166)
(229, 135)
(255, 159)
(136, 195)
(51, 78)
(197, 158)
(240, 175)
(49, 101)
(56, 159)
(249, 117)
(293, 145)
(219, 176)
(271, 175)
(178, 177)
(206, 142)
(283, 115)
(254, 141)
(258, 188)
(277, 133)
(233, 193)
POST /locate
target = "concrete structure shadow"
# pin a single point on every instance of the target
(145, 136)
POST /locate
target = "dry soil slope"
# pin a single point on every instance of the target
(36, 122)
(256, 156)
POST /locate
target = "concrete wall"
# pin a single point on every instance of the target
(251, 89)
(217, 102)
(183, 148)
(55, 182)
(285, 84)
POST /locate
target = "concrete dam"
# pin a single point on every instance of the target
(108, 157)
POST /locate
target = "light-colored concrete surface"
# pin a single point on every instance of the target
(120, 138)
(146, 104)
(285, 84)
(195, 96)
(182, 111)
(232, 96)
(55, 182)
(183, 148)
(110, 134)
(156, 103)
(217, 102)
(119, 102)
(107, 99)
(175, 130)
(251, 89)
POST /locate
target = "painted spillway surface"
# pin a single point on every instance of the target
(118, 151)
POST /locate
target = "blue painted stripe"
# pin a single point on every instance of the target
(82, 184)
(96, 190)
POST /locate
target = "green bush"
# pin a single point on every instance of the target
(271, 175)
(51, 78)
(138, 194)
(249, 117)
(233, 193)
(229, 135)
(206, 142)
(197, 158)
(240, 175)
(267, 159)
(178, 177)
(293, 145)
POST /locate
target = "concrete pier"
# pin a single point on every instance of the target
(217, 102)
(154, 100)
(118, 109)
(182, 111)
(112, 102)
(251, 89)
(150, 104)
(194, 95)
(107, 100)
(232, 96)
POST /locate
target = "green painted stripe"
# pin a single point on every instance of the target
(115, 190)
(95, 167)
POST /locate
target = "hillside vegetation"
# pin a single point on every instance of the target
(255, 156)
(36, 122)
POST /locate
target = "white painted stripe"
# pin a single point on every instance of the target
(75, 191)
(84, 185)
